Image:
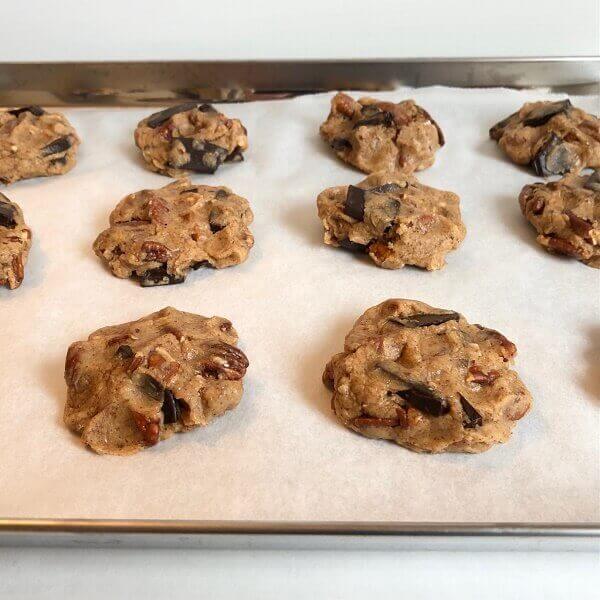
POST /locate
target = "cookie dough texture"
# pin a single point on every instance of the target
(133, 385)
(15, 242)
(394, 219)
(160, 235)
(554, 138)
(35, 143)
(190, 138)
(566, 215)
(381, 136)
(426, 379)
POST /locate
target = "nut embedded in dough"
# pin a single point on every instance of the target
(394, 219)
(15, 242)
(35, 143)
(553, 138)
(375, 136)
(452, 391)
(133, 385)
(190, 138)
(160, 235)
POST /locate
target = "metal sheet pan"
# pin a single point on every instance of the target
(152, 83)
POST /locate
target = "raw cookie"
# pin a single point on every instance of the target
(190, 138)
(15, 241)
(382, 136)
(426, 379)
(566, 215)
(159, 235)
(393, 218)
(35, 143)
(553, 137)
(132, 385)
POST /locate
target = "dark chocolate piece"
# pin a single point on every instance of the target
(125, 351)
(150, 386)
(542, 114)
(471, 418)
(60, 144)
(425, 319)
(206, 108)
(159, 276)
(220, 194)
(34, 109)
(553, 158)
(200, 264)
(216, 220)
(235, 156)
(498, 129)
(171, 408)
(340, 144)
(204, 156)
(352, 246)
(593, 181)
(159, 118)
(418, 395)
(354, 206)
(7, 213)
(382, 117)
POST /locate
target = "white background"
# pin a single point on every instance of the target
(176, 29)
(36, 30)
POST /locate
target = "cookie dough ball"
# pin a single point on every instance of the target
(190, 138)
(554, 138)
(15, 242)
(160, 235)
(394, 219)
(133, 385)
(35, 143)
(566, 215)
(426, 379)
(382, 136)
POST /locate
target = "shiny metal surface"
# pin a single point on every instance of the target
(131, 83)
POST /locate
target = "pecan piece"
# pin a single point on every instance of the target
(223, 361)
(149, 428)
(562, 246)
(155, 251)
(580, 226)
(476, 375)
(343, 104)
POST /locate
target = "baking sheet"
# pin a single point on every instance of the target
(281, 455)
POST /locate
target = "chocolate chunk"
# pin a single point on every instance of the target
(7, 213)
(542, 114)
(418, 395)
(38, 111)
(580, 226)
(425, 319)
(593, 181)
(62, 160)
(200, 264)
(498, 129)
(58, 145)
(382, 117)
(340, 144)
(216, 220)
(207, 108)
(352, 246)
(125, 351)
(386, 188)
(150, 386)
(554, 158)
(471, 418)
(159, 118)
(235, 156)
(425, 399)
(220, 194)
(160, 276)
(354, 205)
(171, 408)
(204, 156)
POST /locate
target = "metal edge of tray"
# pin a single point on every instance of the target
(160, 82)
(299, 535)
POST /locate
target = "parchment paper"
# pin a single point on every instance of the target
(281, 454)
